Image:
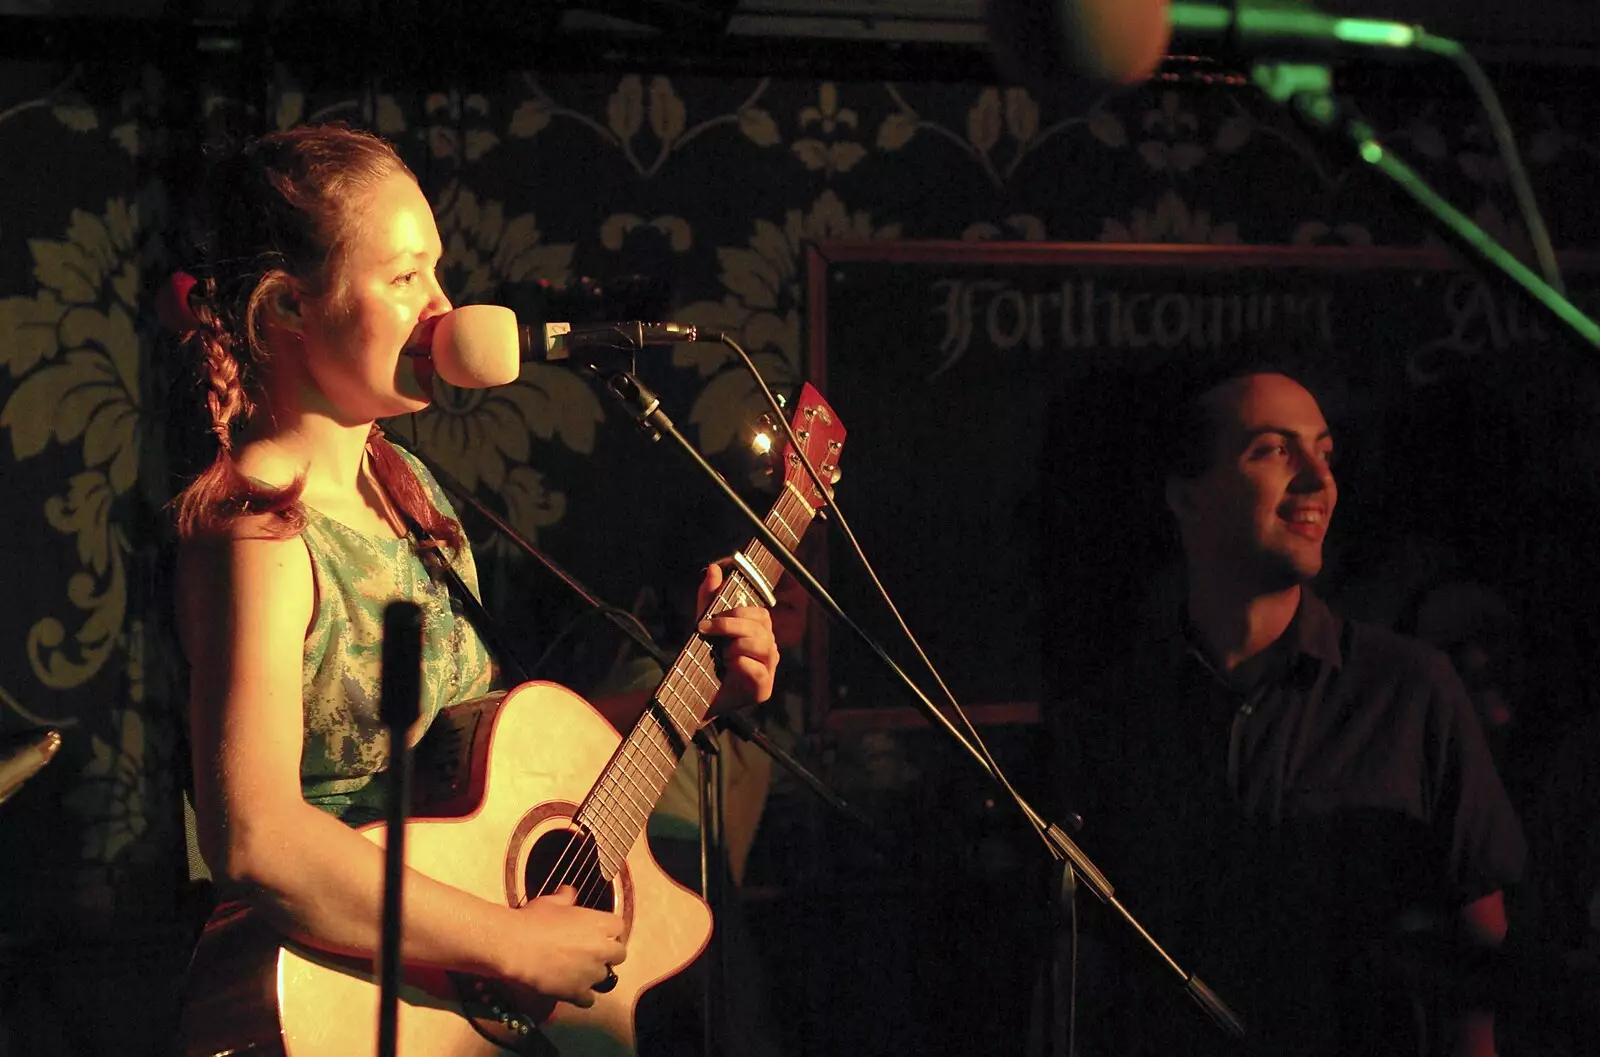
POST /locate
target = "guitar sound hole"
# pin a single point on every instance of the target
(568, 857)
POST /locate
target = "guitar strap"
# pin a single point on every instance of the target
(431, 551)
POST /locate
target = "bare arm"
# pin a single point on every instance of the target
(243, 609)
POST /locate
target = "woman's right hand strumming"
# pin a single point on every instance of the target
(567, 950)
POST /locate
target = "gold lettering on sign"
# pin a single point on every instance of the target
(1093, 313)
(1482, 321)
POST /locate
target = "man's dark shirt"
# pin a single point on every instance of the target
(1282, 839)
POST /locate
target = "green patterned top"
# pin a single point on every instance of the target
(345, 754)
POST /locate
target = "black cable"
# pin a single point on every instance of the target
(975, 740)
(1506, 142)
(611, 613)
(646, 407)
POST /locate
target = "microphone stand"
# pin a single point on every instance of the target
(399, 706)
(1308, 88)
(740, 724)
(713, 996)
(572, 583)
(711, 886)
(645, 407)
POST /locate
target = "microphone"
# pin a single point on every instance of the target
(1111, 42)
(1050, 43)
(24, 755)
(478, 346)
(1280, 31)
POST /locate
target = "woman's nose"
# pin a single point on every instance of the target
(438, 301)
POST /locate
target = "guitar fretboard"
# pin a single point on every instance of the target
(616, 809)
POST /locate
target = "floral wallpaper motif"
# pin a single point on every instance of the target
(714, 185)
(1170, 221)
(1008, 117)
(829, 147)
(631, 106)
(761, 310)
(75, 354)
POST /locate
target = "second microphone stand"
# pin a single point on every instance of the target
(707, 754)
(645, 406)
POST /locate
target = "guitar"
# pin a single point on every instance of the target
(516, 794)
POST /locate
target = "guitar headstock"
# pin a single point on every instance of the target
(821, 437)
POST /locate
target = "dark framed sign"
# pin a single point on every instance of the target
(947, 360)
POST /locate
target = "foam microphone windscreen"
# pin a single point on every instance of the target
(477, 346)
(1055, 45)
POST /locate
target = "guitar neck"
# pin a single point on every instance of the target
(616, 809)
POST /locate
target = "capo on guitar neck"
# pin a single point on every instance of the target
(758, 583)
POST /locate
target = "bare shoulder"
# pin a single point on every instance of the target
(255, 554)
(254, 572)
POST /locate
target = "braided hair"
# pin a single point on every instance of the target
(275, 211)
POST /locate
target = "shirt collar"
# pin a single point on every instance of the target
(1315, 630)
(1312, 635)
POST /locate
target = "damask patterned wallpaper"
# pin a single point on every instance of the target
(708, 188)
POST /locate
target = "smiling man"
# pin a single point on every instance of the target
(1296, 804)
(1253, 515)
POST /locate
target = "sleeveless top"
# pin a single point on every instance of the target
(345, 753)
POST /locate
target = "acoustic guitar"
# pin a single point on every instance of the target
(516, 794)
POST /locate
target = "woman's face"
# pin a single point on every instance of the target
(358, 336)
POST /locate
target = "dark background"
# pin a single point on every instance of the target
(688, 178)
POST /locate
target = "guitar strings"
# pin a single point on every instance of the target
(609, 793)
(593, 878)
(598, 812)
(588, 871)
(580, 863)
